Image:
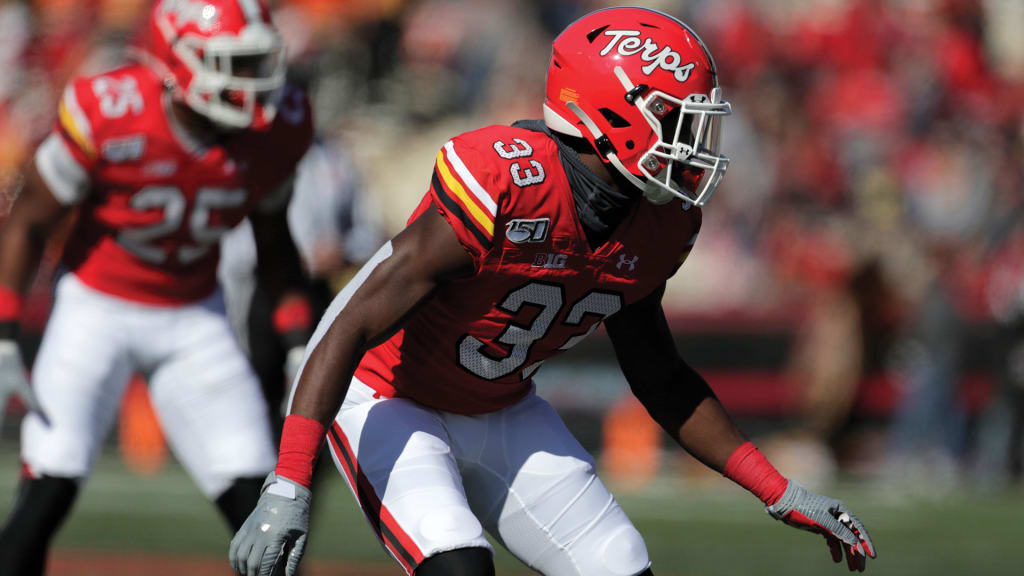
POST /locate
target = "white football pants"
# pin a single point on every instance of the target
(202, 387)
(431, 481)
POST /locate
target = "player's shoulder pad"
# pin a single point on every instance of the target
(517, 157)
(500, 145)
(467, 184)
(478, 175)
(107, 106)
(493, 163)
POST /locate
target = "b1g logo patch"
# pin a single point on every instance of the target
(523, 231)
(550, 261)
(126, 149)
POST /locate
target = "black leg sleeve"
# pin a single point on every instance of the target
(461, 562)
(42, 505)
(238, 501)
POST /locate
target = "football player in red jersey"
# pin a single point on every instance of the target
(157, 159)
(419, 374)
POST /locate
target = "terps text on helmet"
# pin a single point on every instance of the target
(628, 43)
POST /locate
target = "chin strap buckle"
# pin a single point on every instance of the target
(604, 145)
(635, 92)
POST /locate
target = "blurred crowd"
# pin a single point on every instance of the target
(866, 132)
(874, 202)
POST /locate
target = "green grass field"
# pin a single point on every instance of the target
(706, 530)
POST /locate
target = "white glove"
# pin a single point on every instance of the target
(14, 383)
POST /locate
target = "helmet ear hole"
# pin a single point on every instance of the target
(597, 32)
(614, 119)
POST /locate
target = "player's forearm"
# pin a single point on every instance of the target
(23, 237)
(279, 270)
(326, 375)
(706, 431)
(368, 311)
(687, 408)
(280, 273)
(21, 249)
(710, 435)
(278, 265)
(682, 403)
(318, 395)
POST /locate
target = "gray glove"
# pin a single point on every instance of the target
(829, 517)
(275, 532)
(14, 383)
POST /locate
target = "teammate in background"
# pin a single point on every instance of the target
(157, 159)
(334, 234)
(419, 375)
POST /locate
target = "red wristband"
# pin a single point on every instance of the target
(10, 305)
(750, 469)
(293, 315)
(300, 445)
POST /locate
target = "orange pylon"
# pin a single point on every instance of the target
(140, 438)
(632, 443)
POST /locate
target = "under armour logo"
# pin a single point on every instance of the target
(623, 261)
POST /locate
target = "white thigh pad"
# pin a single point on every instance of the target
(535, 488)
(624, 553)
(443, 526)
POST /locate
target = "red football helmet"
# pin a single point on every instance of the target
(225, 58)
(643, 89)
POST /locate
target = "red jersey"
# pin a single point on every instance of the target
(538, 288)
(153, 202)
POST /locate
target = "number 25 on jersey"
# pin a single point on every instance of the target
(147, 242)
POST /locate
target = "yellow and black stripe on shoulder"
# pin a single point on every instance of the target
(461, 194)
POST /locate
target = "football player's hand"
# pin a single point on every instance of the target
(829, 517)
(275, 533)
(14, 383)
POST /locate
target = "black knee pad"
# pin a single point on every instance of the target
(239, 500)
(461, 562)
(41, 507)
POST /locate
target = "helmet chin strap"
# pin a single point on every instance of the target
(658, 195)
(655, 194)
(610, 155)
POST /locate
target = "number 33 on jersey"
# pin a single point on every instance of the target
(153, 202)
(538, 288)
